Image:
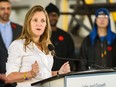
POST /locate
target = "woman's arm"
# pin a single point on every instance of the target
(22, 76)
(14, 62)
(3, 77)
(18, 76)
(65, 68)
(54, 73)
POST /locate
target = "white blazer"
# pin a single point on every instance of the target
(20, 60)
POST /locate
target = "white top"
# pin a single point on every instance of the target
(20, 60)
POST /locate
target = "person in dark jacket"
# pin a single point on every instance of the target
(63, 42)
(9, 31)
(99, 47)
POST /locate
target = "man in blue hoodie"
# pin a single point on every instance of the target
(99, 47)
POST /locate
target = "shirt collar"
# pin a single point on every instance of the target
(7, 24)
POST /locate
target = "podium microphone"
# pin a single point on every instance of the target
(51, 48)
(95, 66)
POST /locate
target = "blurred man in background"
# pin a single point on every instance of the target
(63, 42)
(9, 31)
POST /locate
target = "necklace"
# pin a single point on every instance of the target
(103, 50)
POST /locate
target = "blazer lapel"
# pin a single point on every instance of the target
(2, 43)
(13, 26)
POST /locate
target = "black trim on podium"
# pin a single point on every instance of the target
(48, 79)
(73, 73)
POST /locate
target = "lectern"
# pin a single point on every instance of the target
(91, 78)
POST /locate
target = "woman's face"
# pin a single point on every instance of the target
(38, 23)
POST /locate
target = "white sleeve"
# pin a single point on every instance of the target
(15, 54)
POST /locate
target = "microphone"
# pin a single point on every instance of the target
(95, 66)
(91, 65)
(52, 48)
(101, 68)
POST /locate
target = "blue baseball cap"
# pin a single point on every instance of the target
(102, 11)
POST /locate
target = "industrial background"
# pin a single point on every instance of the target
(76, 15)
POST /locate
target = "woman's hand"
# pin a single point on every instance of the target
(21, 76)
(35, 69)
(3, 77)
(65, 68)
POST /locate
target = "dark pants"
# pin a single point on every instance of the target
(2, 84)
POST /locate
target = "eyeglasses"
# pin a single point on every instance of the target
(102, 16)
